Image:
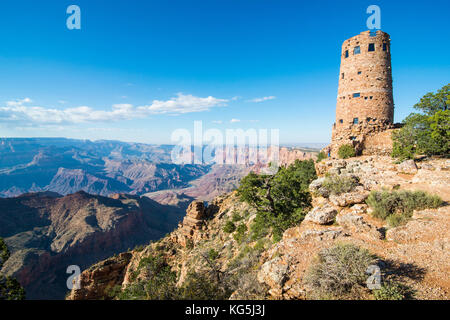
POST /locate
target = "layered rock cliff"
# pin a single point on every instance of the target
(415, 254)
(47, 232)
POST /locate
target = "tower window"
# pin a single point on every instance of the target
(355, 120)
(341, 121)
(346, 53)
(356, 95)
(353, 138)
(342, 75)
(359, 72)
(371, 47)
(384, 46)
(357, 50)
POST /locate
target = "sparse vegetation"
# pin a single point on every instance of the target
(391, 291)
(240, 233)
(339, 272)
(427, 132)
(321, 156)
(213, 254)
(236, 217)
(396, 207)
(10, 288)
(4, 252)
(280, 199)
(346, 151)
(338, 184)
(229, 227)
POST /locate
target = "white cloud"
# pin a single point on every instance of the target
(18, 103)
(235, 120)
(217, 121)
(21, 111)
(256, 100)
(183, 104)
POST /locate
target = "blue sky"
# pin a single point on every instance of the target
(137, 70)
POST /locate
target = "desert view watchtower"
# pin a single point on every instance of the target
(365, 104)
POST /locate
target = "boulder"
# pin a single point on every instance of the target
(347, 199)
(408, 167)
(322, 215)
(273, 273)
(322, 234)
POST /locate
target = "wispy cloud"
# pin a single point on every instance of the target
(24, 112)
(256, 100)
(235, 120)
(217, 121)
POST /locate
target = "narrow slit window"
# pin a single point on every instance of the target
(355, 120)
(384, 46)
(341, 121)
(359, 72)
(342, 75)
(346, 53)
(357, 50)
(371, 47)
(356, 95)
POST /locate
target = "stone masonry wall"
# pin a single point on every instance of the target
(365, 105)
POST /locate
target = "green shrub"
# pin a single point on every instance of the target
(281, 200)
(390, 291)
(240, 233)
(10, 289)
(213, 254)
(158, 282)
(201, 286)
(259, 228)
(396, 207)
(4, 252)
(339, 272)
(229, 227)
(346, 151)
(338, 184)
(236, 217)
(321, 156)
(427, 132)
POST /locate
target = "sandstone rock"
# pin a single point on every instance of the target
(346, 199)
(359, 208)
(322, 215)
(322, 234)
(408, 167)
(273, 273)
(95, 281)
(316, 188)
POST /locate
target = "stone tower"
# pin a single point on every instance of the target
(365, 104)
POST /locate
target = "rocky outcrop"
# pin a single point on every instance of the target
(194, 222)
(322, 215)
(416, 249)
(95, 282)
(416, 253)
(347, 199)
(46, 233)
(408, 167)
